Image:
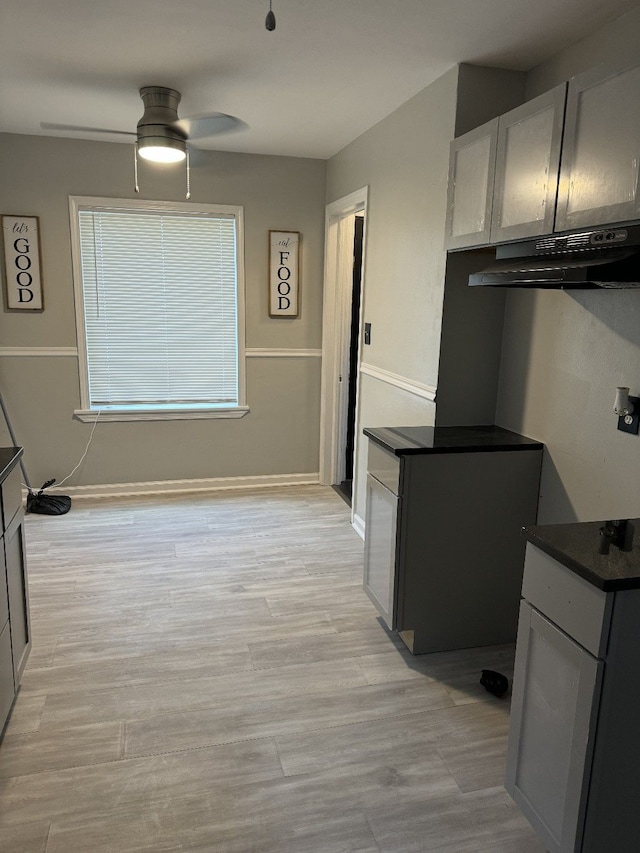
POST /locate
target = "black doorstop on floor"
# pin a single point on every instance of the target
(494, 682)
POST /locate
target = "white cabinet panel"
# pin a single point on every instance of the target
(555, 694)
(527, 164)
(380, 549)
(582, 610)
(599, 178)
(471, 174)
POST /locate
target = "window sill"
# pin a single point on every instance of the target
(168, 414)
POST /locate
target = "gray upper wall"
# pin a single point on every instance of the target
(563, 354)
(404, 162)
(280, 435)
(548, 367)
(617, 42)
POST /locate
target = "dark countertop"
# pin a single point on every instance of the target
(8, 460)
(576, 546)
(410, 440)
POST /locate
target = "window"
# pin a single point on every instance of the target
(159, 308)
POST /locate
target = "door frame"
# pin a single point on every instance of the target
(336, 329)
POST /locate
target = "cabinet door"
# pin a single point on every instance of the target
(380, 576)
(599, 174)
(527, 165)
(18, 594)
(4, 596)
(471, 171)
(7, 691)
(556, 690)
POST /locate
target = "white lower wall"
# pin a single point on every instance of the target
(384, 404)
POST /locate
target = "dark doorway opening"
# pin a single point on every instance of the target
(345, 488)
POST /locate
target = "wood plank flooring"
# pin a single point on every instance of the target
(207, 675)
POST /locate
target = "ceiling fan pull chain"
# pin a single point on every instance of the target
(188, 175)
(270, 20)
(135, 167)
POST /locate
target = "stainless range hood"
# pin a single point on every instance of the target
(603, 258)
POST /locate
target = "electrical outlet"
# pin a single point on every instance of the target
(631, 423)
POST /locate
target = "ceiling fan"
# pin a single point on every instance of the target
(161, 135)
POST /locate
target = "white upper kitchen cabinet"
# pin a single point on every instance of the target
(601, 150)
(471, 172)
(527, 167)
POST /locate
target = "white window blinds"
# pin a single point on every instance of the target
(160, 293)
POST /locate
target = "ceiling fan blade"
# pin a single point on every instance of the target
(199, 127)
(47, 125)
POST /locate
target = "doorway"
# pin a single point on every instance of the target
(345, 253)
(345, 488)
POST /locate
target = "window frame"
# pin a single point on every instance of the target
(140, 413)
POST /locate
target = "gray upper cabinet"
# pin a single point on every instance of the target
(471, 173)
(503, 176)
(527, 166)
(599, 175)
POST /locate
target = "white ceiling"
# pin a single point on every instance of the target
(330, 70)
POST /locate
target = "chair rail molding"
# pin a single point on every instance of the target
(427, 392)
(266, 352)
(29, 352)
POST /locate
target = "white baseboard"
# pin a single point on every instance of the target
(214, 484)
(358, 525)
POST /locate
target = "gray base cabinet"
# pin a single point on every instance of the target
(443, 550)
(6, 673)
(16, 563)
(15, 628)
(574, 738)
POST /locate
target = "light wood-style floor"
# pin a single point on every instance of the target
(207, 675)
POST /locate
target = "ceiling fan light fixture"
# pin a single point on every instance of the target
(162, 150)
(159, 140)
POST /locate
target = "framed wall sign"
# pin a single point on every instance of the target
(284, 267)
(21, 263)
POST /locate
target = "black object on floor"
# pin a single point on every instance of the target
(47, 504)
(494, 682)
(38, 502)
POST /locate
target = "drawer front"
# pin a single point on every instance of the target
(580, 609)
(11, 496)
(384, 466)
